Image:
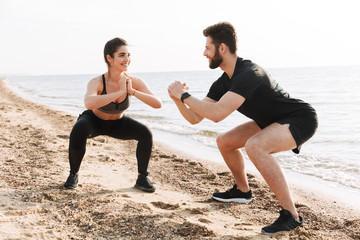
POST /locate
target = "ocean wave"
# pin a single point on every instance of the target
(208, 133)
(328, 169)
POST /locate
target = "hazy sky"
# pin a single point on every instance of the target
(68, 36)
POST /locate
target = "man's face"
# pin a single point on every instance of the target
(212, 53)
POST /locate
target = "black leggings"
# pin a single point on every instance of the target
(89, 125)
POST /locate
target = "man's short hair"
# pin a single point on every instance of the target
(222, 32)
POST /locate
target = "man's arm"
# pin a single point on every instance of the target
(215, 111)
(191, 116)
(206, 108)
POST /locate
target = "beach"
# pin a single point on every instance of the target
(34, 204)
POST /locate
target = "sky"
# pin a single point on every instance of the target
(53, 37)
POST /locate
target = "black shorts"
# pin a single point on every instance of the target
(303, 125)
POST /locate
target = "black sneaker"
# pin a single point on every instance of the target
(72, 181)
(285, 222)
(233, 195)
(144, 184)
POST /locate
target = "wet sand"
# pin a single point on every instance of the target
(34, 204)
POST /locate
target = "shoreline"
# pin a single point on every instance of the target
(312, 184)
(33, 147)
(189, 145)
(303, 184)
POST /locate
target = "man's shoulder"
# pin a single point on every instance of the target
(222, 78)
(248, 65)
(249, 69)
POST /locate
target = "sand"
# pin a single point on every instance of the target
(35, 205)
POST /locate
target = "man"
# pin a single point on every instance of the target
(279, 123)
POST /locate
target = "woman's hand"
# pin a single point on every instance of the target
(123, 82)
(130, 89)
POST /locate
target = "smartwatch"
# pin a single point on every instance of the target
(184, 96)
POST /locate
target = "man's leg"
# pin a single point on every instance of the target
(229, 144)
(274, 138)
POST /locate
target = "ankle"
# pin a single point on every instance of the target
(243, 189)
(294, 214)
(143, 173)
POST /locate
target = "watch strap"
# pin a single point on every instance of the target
(184, 96)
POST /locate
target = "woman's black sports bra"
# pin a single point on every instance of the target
(114, 108)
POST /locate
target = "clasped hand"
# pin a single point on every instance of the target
(176, 89)
(126, 83)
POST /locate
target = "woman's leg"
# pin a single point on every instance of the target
(82, 129)
(127, 128)
(130, 129)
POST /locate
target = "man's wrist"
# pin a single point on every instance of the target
(184, 96)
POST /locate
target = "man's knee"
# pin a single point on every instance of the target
(223, 142)
(253, 149)
(220, 140)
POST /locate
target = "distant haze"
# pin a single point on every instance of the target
(67, 37)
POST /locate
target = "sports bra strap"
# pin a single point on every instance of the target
(104, 84)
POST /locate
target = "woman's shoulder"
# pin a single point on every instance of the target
(97, 79)
(95, 82)
(136, 82)
(133, 78)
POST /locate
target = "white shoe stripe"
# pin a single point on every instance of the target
(238, 200)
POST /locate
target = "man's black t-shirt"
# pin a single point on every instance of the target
(265, 101)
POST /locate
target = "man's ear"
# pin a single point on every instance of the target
(222, 48)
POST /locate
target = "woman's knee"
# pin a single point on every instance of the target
(80, 133)
(146, 134)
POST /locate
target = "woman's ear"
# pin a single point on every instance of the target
(109, 59)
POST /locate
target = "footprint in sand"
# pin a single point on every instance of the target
(203, 220)
(166, 206)
(197, 210)
(63, 136)
(223, 173)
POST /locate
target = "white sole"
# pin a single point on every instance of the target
(237, 200)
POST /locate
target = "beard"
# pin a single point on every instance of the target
(216, 60)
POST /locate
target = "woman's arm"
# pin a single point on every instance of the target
(140, 90)
(93, 100)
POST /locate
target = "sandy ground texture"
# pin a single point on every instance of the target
(35, 205)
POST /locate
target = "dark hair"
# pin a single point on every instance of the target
(112, 46)
(222, 32)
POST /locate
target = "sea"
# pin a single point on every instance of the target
(328, 163)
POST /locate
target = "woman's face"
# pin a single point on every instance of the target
(121, 60)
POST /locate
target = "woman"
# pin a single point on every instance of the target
(107, 97)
